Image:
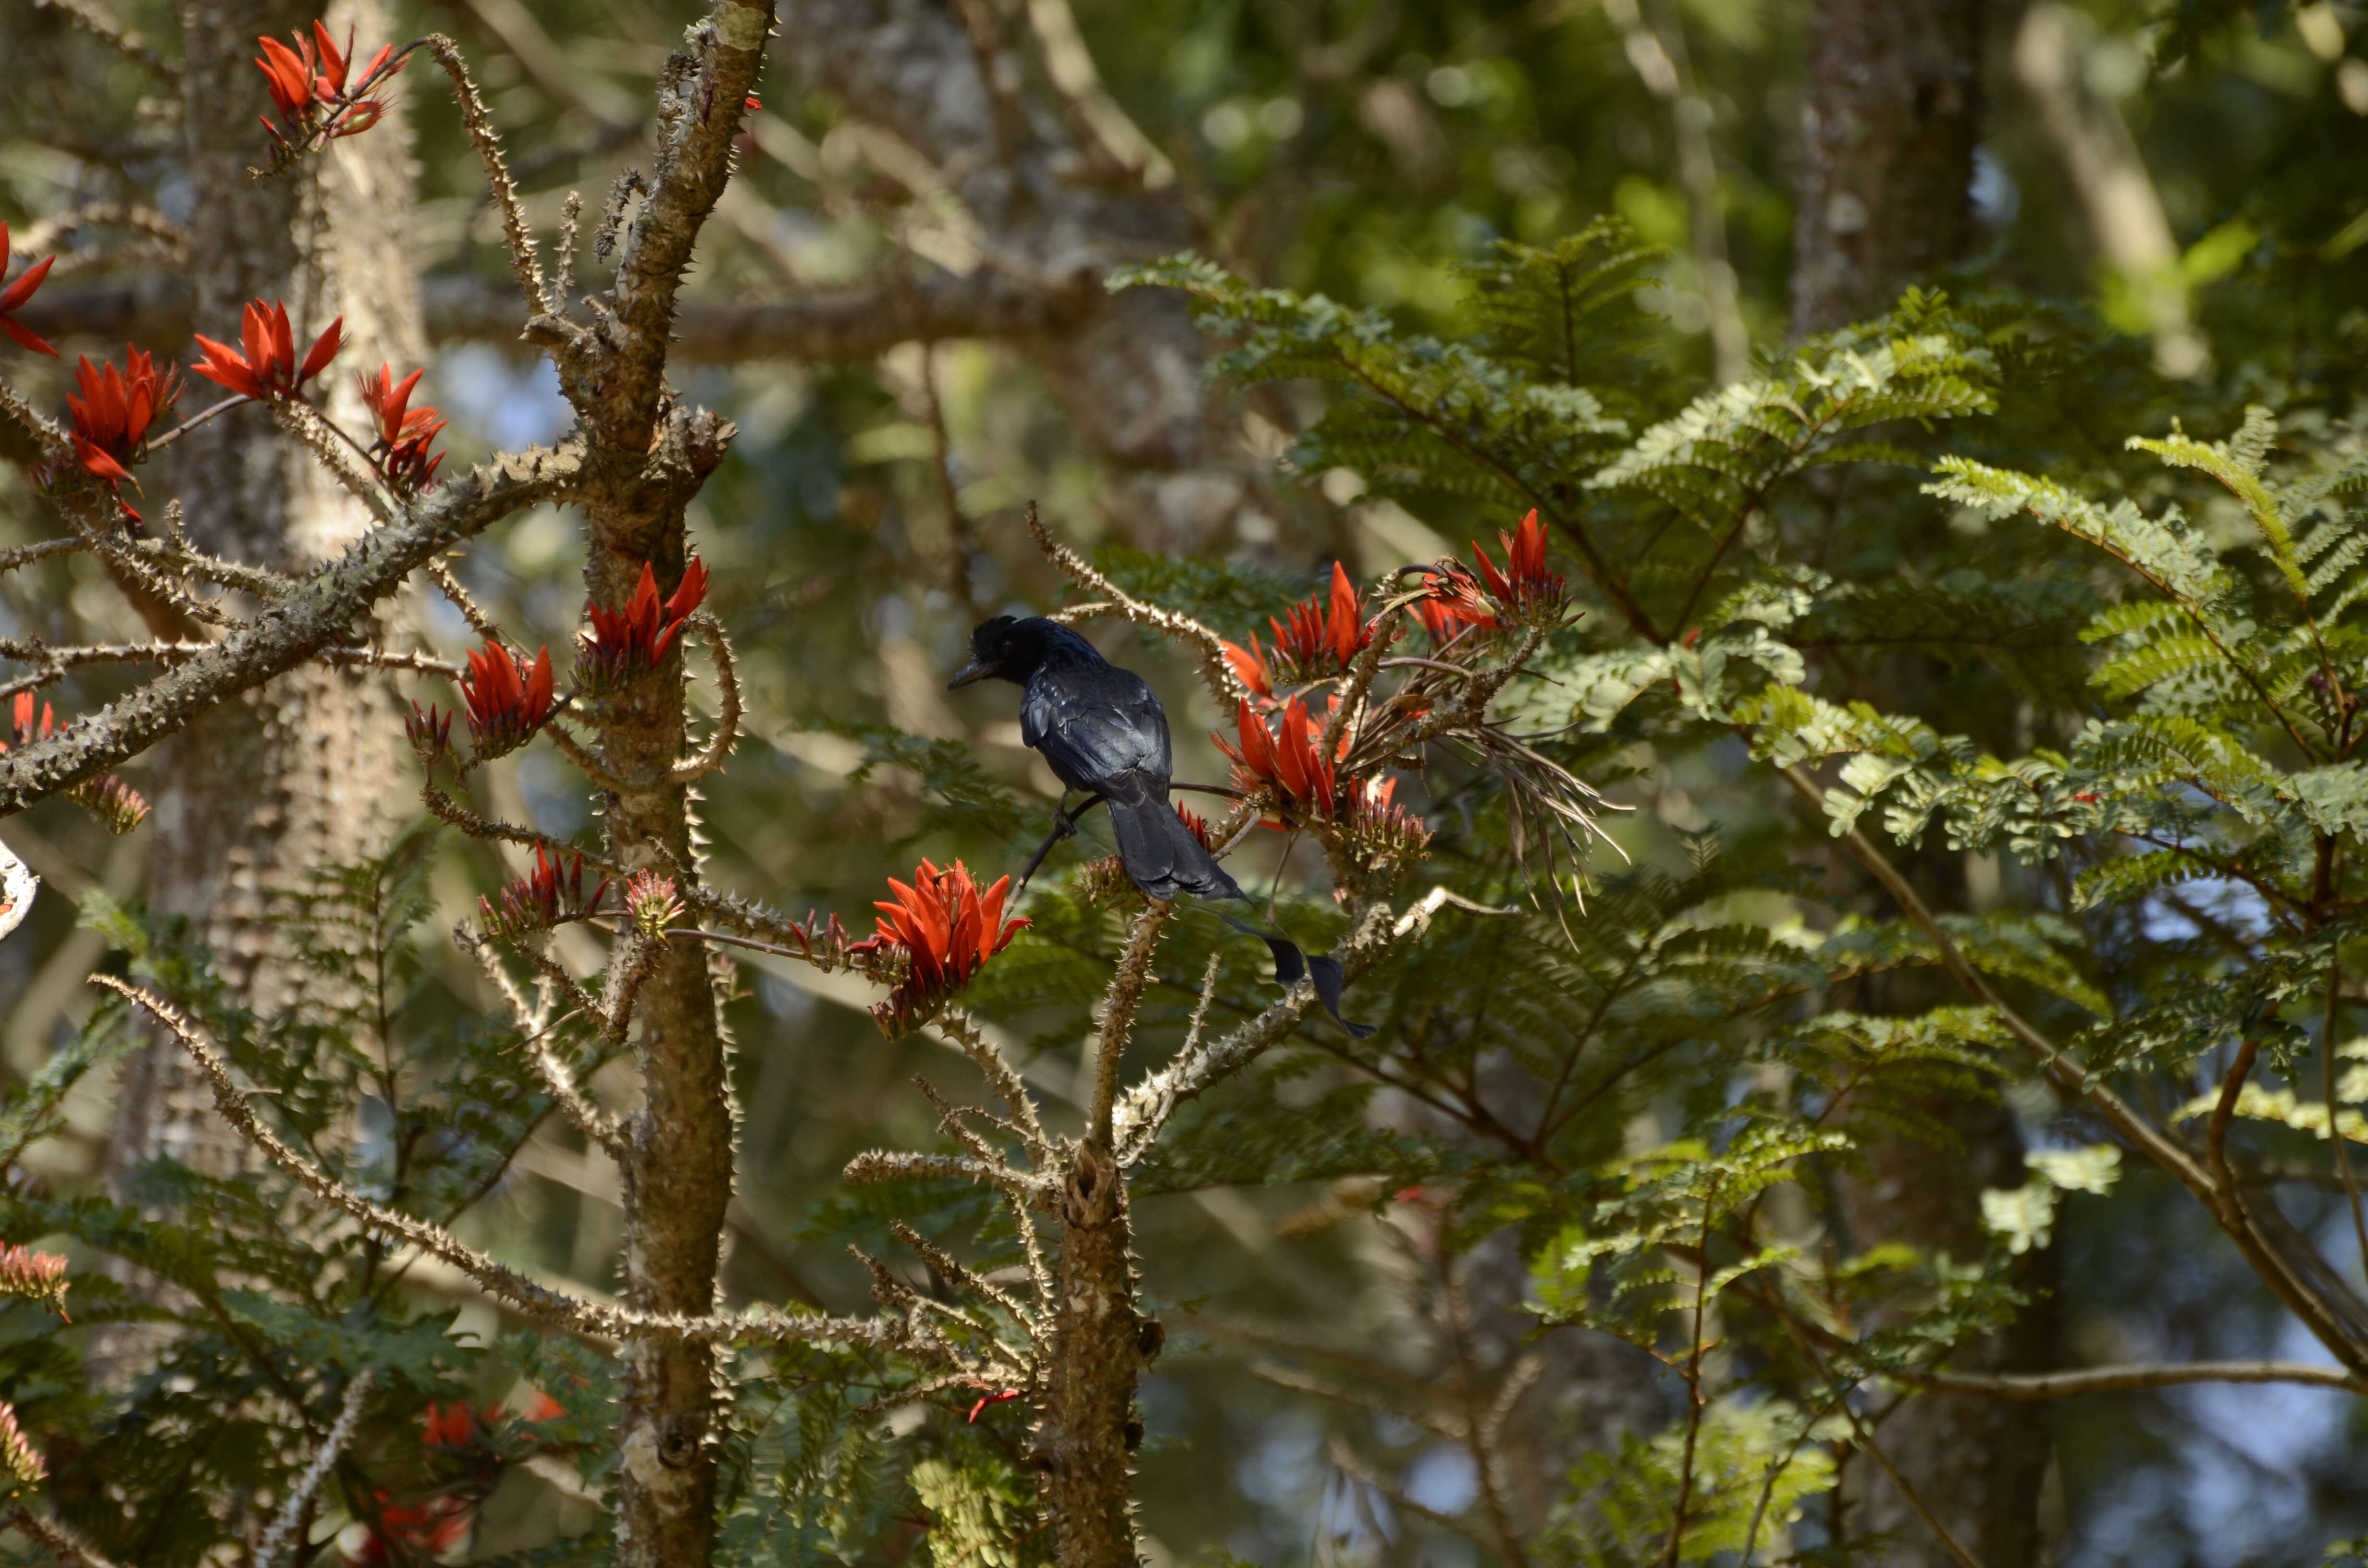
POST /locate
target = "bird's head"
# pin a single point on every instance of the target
(1009, 648)
(1006, 648)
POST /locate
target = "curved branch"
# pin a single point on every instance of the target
(1222, 684)
(728, 705)
(504, 1284)
(319, 616)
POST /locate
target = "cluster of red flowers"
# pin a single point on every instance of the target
(16, 293)
(1524, 593)
(549, 896)
(629, 642)
(508, 699)
(112, 410)
(108, 797)
(34, 1276)
(945, 930)
(1318, 638)
(308, 87)
(1293, 762)
(264, 365)
(400, 451)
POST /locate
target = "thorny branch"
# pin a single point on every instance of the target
(499, 1281)
(320, 615)
(283, 1537)
(518, 237)
(1223, 685)
(59, 1537)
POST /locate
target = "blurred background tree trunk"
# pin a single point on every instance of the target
(1893, 115)
(296, 777)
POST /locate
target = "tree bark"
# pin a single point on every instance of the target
(648, 456)
(1893, 115)
(1085, 1439)
(295, 777)
(1976, 1462)
(1888, 129)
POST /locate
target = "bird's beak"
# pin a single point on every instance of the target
(973, 671)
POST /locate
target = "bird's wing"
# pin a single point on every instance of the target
(1100, 729)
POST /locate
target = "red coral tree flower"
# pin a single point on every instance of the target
(1292, 762)
(16, 293)
(625, 643)
(403, 434)
(1452, 602)
(508, 699)
(1525, 588)
(112, 410)
(653, 903)
(1377, 821)
(307, 85)
(265, 365)
(1319, 638)
(946, 928)
(551, 895)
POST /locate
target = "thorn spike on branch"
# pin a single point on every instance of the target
(116, 804)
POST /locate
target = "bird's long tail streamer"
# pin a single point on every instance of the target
(1292, 966)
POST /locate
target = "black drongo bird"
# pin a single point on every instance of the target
(1104, 732)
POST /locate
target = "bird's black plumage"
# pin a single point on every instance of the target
(1102, 730)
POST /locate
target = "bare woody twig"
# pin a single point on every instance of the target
(440, 574)
(2121, 1379)
(593, 1122)
(504, 1284)
(1222, 683)
(727, 704)
(95, 20)
(480, 126)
